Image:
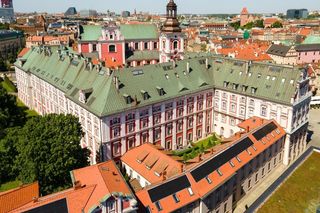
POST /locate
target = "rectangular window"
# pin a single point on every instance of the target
(136, 46)
(155, 45)
(146, 45)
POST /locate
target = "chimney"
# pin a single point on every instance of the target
(164, 175)
(247, 129)
(77, 185)
(211, 150)
(207, 63)
(182, 168)
(188, 67)
(35, 199)
(108, 71)
(200, 157)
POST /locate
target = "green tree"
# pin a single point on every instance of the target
(10, 114)
(8, 152)
(49, 148)
(235, 25)
(259, 23)
(277, 24)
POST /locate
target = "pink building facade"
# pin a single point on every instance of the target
(308, 53)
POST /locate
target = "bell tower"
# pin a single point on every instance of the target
(171, 39)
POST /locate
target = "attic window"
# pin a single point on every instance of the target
(240, 73)
(231, 163)
(278, 131)
(254, 148)
(259, 75)
(167, 76)
(161, 91)
(250, 74)
(127, 98)
(238, 159)
(273, 78)
(291, 82)
(225, 84)
(283, 80)
(177, 75)
(84, 95)
(244, 88)
(231, 71)
(253, 90)
(145, 95)
(219, 172)
(268, 77)
(235, 86)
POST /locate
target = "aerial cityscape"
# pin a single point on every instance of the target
(166, 106)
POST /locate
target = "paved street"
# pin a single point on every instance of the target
(275, 176)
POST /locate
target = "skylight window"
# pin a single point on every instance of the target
(291, 82)
(190, 191)
(137, 72)
(231, 163)
(273, 78)
(175, 197)
(208, 180)
(283, 80)
(158, 205)
(268, 77)
(219, 172)
(238, 159)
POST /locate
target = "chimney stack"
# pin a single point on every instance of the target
(207, 63)
(77, 185)
(164, 175)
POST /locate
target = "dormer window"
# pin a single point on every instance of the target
(84, 95)
(145, 95)
(225, 84)
(253, 90)
(161, 91)
(235, 86)
(127, 98)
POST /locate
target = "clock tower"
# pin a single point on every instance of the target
(171, 39)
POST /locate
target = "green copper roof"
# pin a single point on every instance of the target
(90, 32)
(312, 40)
(71, 74)
(139, 31)
(144, 55)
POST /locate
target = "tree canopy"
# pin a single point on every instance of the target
(10, 114)
(277, 24)
(48, 149)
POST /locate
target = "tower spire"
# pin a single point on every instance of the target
(172, 24)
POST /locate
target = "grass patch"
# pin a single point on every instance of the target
(30, 113)
(198, 148)
(300, 192)
(8, 85)
(10, 185)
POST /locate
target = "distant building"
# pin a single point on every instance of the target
(282, 54)
(88, 13)
(10, 42)
(125, 14)
(6, 4)
(47, 40)
(6, 11)
(308, 53)
(297, 13)
(71, 11)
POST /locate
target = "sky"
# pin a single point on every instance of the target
(158, 6)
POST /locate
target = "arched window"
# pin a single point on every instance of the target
(175, 45)
(112, 48)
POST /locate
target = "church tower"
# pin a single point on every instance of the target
(171, 39)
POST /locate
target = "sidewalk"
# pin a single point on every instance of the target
(260, 188)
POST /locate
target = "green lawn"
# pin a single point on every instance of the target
(30, 113)
(10, 185)
(8, 85)
(300, 193)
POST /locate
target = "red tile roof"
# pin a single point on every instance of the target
(23, 52)
(202, 187)
(147, 154)
(15, 198)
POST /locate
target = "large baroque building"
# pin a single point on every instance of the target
(168, 104)
(134, 44)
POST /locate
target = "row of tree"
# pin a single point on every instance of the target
(43, 149)
(257, 23)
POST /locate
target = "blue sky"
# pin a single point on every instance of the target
(157, 6)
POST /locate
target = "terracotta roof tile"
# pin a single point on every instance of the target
(15, 198)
